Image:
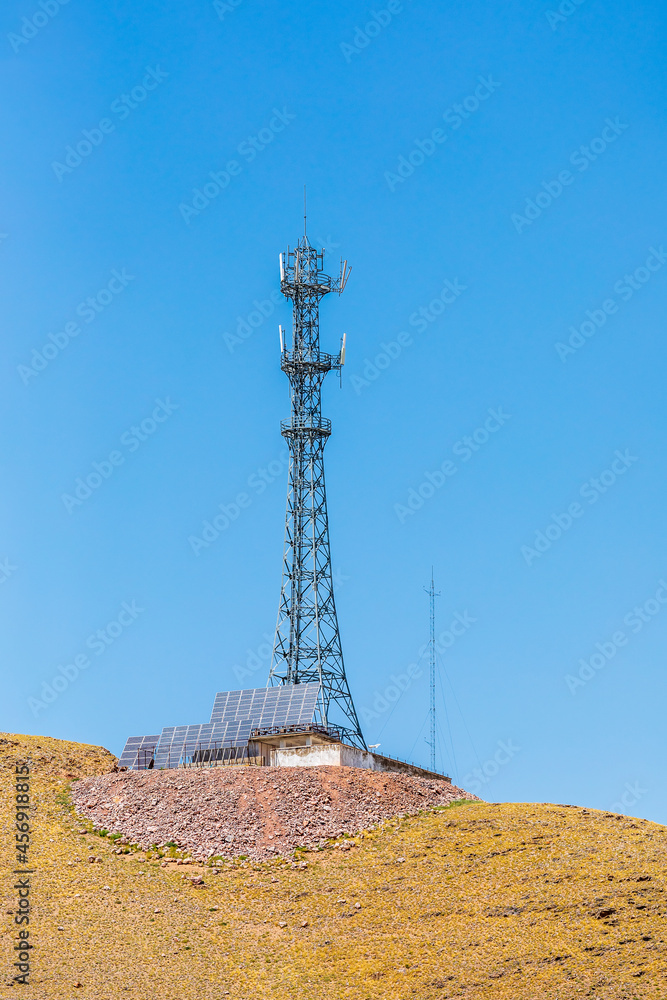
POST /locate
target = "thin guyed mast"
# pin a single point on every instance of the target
(432, 669)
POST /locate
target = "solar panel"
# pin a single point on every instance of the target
(131, 757)
(288, 704)
(180, 742)
(246, 726)
(169, 748)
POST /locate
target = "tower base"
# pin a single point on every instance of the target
(333, 754)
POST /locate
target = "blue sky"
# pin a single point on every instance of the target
(495, 177)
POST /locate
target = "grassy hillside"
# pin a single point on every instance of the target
(510, 902)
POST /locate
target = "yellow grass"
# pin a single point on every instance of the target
(491, 901)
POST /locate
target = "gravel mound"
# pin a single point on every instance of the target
(258, 812)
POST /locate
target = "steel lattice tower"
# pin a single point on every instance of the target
(307, 645)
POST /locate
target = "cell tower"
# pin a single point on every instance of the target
(432, 593)
(307, 646)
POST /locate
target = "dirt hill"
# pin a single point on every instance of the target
(255, 812)
(476, 901)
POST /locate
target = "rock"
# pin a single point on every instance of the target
(229, 812)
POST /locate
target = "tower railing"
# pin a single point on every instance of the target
(309, 361)
(331, 731)
(309, 426)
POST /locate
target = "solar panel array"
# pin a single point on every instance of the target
(130, 753)
(235, 715)
(178, 741)
(284, 705)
